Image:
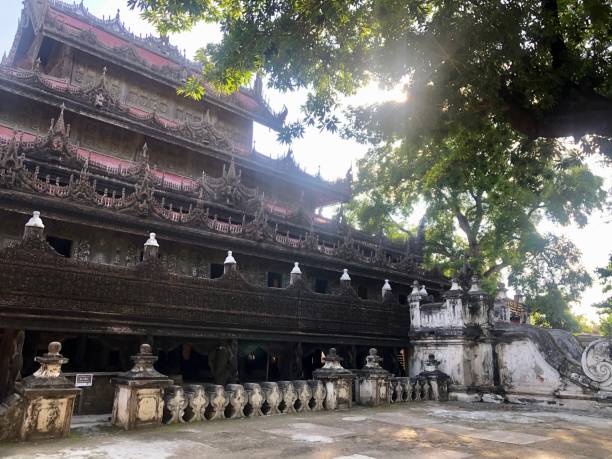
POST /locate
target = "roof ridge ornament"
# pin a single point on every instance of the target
(35, 221)
(59, 126)
(152, 241)
(229, 260)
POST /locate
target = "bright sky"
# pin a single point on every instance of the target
(329, 152)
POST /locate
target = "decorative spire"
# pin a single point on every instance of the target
(60, 127)
(51, 362)
(34, 229)
(231, 172)
(152, 241)
(373, 359)
(423, 291)
(501, 291)
(455, 284)
(229, 265)
(151, 249)
(386, 289)
(229, 260)
(475, 288)
(345, 276)
(296, 273)
(415, 288)
(35, 221)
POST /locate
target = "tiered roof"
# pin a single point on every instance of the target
(152, 56)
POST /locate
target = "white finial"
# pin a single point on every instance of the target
(455, 284)
(296, 268)
(35, 220)
(475, 285)
(386, 286)
(423, 292)
(151, 241)
(415, 288)
(345, 276)
(229, 260)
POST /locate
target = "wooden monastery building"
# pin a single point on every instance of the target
(94, 137)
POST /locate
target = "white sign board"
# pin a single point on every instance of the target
(83, 380)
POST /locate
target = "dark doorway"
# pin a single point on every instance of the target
(216, 270)
(321, 285)
(312, 361)
(61, 246)
(275, 280)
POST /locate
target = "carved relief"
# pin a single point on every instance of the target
(597, 363)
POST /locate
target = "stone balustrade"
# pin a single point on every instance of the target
(207, 402)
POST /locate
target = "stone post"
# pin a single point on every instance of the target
(229, 264)
(415, 306)
(34, 228)
(501, 310)
(338, 382)
(386, 290)
(454, 305)
(345, 280)
(372, 382)
(478, 305)
(151, 249)
(49, 398)
(438, 381)
(139, 393)
(296, 274)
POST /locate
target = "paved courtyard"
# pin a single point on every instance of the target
(430, 430)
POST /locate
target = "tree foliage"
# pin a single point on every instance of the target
(542, 66)
(491, 89)
(605, 276)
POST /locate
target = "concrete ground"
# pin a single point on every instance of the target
(450, 430)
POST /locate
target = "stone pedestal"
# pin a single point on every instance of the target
(438, 381)
(139, 393)
(372, 384)
(338, 382)
(49, 398)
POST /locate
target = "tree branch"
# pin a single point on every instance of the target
(494, 269)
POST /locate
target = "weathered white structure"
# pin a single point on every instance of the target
(488, 348)
(372, 382)
(139, 393)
